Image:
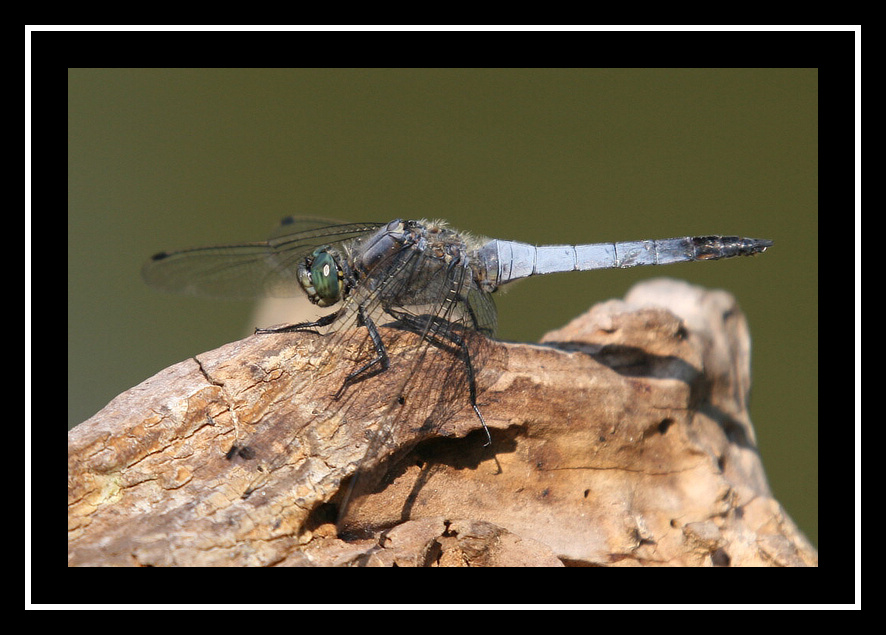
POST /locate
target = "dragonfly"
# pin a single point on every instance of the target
(404, 276)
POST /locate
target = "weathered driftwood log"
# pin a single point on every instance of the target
(623, 439)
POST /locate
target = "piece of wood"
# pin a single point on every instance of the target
(623, 439)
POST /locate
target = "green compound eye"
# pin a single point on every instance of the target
(325, 278)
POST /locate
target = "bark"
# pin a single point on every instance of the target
(622, 439)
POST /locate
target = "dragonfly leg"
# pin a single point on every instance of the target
(381, 355)
(472, 383)
(438, 334)
(326, 320)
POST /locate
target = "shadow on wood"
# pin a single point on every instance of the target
(622, 439)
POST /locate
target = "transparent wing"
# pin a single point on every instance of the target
(250, 270)
(429, 316)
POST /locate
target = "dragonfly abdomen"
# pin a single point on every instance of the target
(503, 261)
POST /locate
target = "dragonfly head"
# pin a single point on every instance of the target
(321, 277)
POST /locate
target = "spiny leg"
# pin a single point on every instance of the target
(435, 330)
(326, 320)
(472, 383)
(381, 355)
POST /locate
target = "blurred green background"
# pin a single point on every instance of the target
(162, 159)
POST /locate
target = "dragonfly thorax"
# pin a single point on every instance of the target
(322, 277)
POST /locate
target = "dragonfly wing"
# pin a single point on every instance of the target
(249, 270)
